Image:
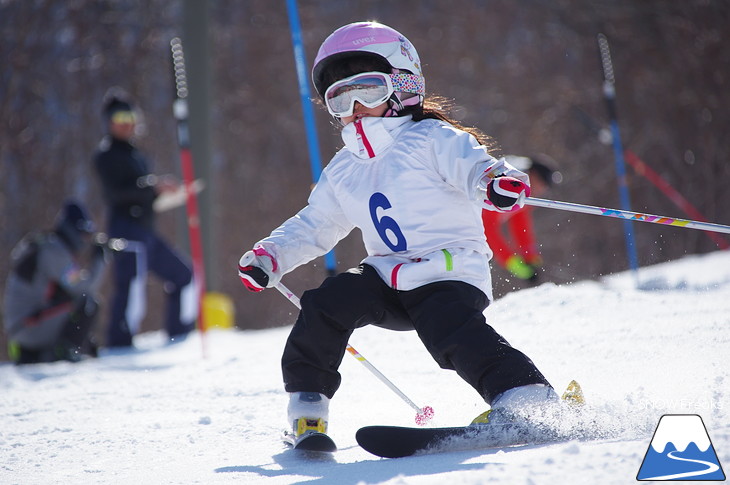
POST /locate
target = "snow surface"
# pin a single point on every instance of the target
(166, 415)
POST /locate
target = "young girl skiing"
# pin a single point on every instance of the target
(414, 183)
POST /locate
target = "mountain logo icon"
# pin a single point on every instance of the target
(681, 450)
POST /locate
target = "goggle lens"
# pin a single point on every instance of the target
(124, 117)
(370, 89)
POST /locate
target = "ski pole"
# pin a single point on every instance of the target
(424, 414)
(311, 130)
(627, 215)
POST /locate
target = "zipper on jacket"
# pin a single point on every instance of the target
(363, 139)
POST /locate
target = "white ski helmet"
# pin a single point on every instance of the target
(371, 38)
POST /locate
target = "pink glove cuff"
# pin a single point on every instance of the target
(260, 251)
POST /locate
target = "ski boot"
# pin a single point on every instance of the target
(308, 413)
(518, 403)
(536, 411)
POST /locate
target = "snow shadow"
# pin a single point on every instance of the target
(327, 471)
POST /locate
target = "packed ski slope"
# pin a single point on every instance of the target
(165, 415)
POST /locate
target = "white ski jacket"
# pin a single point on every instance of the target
(412, 190)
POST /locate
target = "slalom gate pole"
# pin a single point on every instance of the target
(180, 110)
(424, 414)
(627, 215)
(312, 141)
(609, 92)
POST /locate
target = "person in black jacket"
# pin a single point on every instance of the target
(130, 190)
(50, 302)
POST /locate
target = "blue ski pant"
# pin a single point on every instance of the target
(447, 316)
(145, 251)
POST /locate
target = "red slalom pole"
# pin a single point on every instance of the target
(180, 110)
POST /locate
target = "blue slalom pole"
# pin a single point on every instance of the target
(312, 141)
(609, 92)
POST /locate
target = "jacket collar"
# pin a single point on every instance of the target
(369, 137)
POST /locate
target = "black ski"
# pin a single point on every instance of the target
(312, 441)
(396, 442)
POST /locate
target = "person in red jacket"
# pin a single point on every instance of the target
(510, 235)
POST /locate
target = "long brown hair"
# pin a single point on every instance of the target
(437, 107)
(433, 107)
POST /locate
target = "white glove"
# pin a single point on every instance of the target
(503, 188)
(505, 194)
(258, 269)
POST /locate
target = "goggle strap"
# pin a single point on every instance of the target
(408, 83)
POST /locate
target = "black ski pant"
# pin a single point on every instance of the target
(447, 315)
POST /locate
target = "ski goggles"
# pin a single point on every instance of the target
(124, 117)
(370, 89)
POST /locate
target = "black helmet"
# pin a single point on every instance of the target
(116, 100)
(546, 168)
(72, 223)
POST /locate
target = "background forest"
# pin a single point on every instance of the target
(526, 72)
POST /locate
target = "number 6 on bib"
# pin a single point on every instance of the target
(386, 223)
